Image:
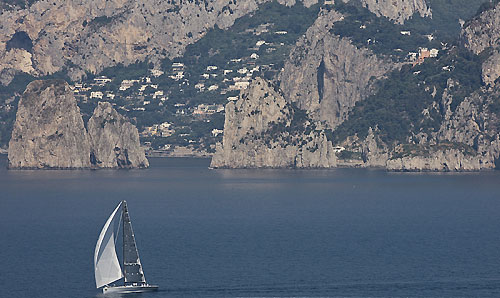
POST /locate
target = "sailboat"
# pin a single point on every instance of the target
(106, 264)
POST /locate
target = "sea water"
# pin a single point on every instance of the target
(256, 233)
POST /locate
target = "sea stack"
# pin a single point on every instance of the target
(49, 131)
(114, 140)
(262, 130)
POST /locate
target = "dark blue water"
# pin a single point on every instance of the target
(256, 233)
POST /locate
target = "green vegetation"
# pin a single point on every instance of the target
(349, 155)
(409, 150)
(20, 40)
(398, 105)
(219, 46)
(445, 18)
(4, 4)
(382, 36)
(379, 34)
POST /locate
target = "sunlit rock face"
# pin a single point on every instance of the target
(114, 140)
(49, 133)
(262, 130)
(49, 130)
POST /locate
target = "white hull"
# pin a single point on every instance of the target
(130, 289)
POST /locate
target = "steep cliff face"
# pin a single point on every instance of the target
(114, 141)
(483, 31)
(90, 35)
(491, 69)
(452, 160)
(326, 75)
(397, 10)
(262, 130)
(49, 131)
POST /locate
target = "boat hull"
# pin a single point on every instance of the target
(130, 289)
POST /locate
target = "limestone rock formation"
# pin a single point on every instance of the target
(114, 140)
(80, 36)
(483, 31)
(262, 130)
(439, 161)
(49, 131)
(374, 152)
(491, 69)
(326, 75)
(397, 10)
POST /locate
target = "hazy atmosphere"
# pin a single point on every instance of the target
(250, 148)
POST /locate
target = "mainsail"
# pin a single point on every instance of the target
(131, 262)
(106, 264)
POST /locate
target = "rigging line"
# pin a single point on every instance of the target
(118, 229)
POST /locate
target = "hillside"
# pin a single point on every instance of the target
(384, 105)
(172, 68)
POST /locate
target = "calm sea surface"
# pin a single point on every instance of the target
(256, 233)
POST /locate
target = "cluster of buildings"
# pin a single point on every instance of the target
(150, 91)
(164, 129)
(423, 53)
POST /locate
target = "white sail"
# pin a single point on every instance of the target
(106, 264)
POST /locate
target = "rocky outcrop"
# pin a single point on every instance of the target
(374, 152)
(326, 75)
(49, 131)
(80, 36)
(114, 140)
(491, 69)
(262, 130)
(307, 3)
(397, 10)
(452, 160)
(483, 31)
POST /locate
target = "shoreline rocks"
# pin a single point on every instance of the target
(49, 133)
(262, 130)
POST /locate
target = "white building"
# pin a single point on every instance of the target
(200, 86)
(125, 84)
(102, 80)
(156, 72)
(243, 70)
(216, 132)
(260, 42)
(158, 93)
(96, 94)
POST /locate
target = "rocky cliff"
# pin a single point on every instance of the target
(78, 36)
(326, 75)
(397, 10)
(49, 133)
(482, 31)
(263, 130)
(114, 141)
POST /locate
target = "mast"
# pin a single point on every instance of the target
(124, 203)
